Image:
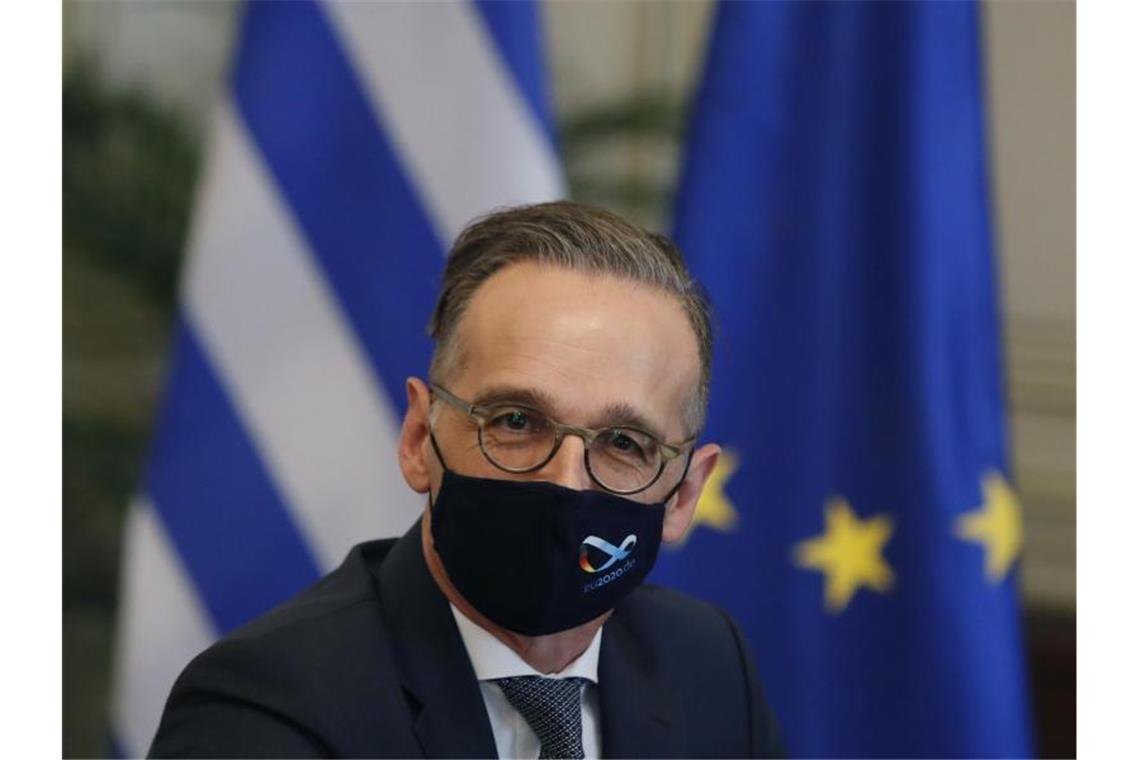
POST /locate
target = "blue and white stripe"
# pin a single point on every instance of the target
(353, 142)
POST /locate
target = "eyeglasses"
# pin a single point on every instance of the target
(519, 439)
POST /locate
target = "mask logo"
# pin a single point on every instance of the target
(616, 553)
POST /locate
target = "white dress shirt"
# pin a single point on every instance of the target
(493, 659)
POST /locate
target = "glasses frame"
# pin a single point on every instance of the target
(480, 415)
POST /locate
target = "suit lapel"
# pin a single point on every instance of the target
(641, 715)
(450, 718)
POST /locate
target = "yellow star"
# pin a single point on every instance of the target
(996, 525)
(714, 508)
(849, 553)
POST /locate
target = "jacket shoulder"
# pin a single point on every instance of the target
(662, 615)
(337, 593)
(287, 684)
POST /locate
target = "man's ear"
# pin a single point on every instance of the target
(414, 441)
(680, 514)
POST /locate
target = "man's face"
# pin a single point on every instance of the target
(587, 349)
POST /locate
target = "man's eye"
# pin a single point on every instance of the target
(624, 443)
(515, 420)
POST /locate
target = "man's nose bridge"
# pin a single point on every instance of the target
(568, 466)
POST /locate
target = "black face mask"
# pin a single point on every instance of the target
(538, 558)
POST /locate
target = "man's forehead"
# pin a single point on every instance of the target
(585, 343)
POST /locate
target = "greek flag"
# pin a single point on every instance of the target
(352, 144)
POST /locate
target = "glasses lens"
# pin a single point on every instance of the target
(623, 459)
(517, 438)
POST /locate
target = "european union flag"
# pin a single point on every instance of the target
(861, 525)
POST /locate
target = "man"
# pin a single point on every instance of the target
(555, 446)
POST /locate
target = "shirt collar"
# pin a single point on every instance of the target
(493, 659)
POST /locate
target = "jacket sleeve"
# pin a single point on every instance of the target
(764, 733)
(234, 700)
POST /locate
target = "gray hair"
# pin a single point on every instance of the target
(573, 236)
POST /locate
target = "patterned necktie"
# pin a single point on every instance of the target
(552, 707)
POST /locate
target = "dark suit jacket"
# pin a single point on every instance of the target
(369, 663)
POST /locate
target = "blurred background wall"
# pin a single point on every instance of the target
(139, 82)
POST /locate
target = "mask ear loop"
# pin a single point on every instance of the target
(439, 454)
(681, 482)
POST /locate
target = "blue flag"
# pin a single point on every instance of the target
(351, 143)
(861, 524)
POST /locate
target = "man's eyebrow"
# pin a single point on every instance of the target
(618, 414)
(624, 415)
(501, 394)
